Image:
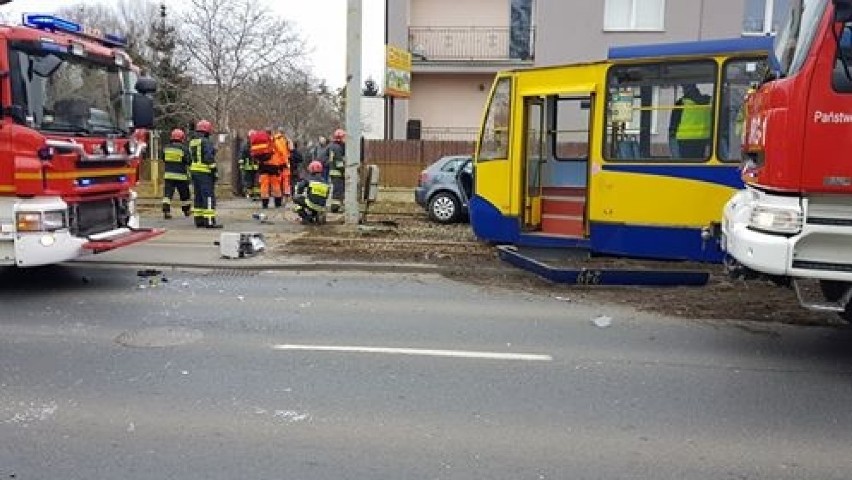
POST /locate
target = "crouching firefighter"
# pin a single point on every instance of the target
(204, 176)
(311, 194)
(176, 158)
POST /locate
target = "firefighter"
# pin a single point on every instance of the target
(248, 169)
(337, 168)
(176, 159)
(311, 194)
(281, 159)
(204, 176)
(269, 173)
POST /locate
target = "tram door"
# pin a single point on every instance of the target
(534, 160)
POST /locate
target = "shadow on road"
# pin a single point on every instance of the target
(61, 278)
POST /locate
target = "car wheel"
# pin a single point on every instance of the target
(444, 207)
(833, 291)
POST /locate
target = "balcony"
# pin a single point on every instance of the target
(471, 45)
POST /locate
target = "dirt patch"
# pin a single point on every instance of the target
(410, 237)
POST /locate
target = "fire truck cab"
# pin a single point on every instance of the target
(793, 220)
(73, 106)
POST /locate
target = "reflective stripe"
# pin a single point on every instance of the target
(175, 176)
(173, 155)
(198, 165)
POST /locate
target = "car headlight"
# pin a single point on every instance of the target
(28, 221)
(776, 219)
(52, 221)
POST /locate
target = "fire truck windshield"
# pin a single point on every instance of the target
(797, 36)
(60, 92)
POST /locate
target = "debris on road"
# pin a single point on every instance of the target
(602, 321)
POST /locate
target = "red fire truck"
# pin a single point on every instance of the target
(793, 220)
(73, 106)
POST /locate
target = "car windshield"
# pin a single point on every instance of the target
(58, 91)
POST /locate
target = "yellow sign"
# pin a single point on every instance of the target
(398, 72)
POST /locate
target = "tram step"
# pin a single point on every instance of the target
(562, 224)
(563, 205)
(564, 191)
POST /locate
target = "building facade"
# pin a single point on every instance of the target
(458, 45)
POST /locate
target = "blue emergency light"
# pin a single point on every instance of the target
(53, 23)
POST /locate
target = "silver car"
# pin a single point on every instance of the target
(445, 187)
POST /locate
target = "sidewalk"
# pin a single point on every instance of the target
(184, 245)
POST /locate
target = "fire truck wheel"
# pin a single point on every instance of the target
(832, 291)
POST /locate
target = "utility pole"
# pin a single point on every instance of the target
(353, 110)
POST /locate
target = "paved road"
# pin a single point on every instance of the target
(88, 391)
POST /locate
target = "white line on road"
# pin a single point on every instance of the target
(528, 357)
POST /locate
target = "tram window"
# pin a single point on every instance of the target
(570, 128)
(738, 77)
(494, 144)
(660, 111)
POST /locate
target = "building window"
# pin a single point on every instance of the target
(621, 15)
(764, 17)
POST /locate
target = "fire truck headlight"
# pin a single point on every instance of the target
(776, 220)
(52, 221)
(28, 221)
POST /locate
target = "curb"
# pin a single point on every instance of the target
(305, 267)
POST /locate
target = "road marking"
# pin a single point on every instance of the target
(527, 357)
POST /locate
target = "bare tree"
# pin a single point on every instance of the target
(230, 43)
(297, 102)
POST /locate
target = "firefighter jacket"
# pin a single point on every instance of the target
(336, 159)
(247, 163)
(315, 191)
(176, 158)
(203, 155)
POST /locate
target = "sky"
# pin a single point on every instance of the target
(322, 23)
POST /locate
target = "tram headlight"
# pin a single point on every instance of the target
(781, 220)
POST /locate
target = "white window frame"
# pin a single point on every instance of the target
(768, 15)
(634, 9)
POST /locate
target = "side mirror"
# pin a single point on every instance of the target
(842, 11)
(143, 111)
(18, 114)
(146, 85)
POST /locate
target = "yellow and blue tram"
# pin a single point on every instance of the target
(631, 156)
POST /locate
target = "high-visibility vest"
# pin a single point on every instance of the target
(198, 164)
(695, 121)
(175, 168)
(316, 195)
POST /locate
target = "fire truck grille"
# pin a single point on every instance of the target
(89, 218)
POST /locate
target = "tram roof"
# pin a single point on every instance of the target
(701, 47)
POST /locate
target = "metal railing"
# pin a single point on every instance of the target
(449, 133)
(471, 43)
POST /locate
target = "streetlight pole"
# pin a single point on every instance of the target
(353, 110)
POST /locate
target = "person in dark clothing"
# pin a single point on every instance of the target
(337, 169)
(296, 165)
(248, 171)
(311, 195)
(204, 176)
(176, 159)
